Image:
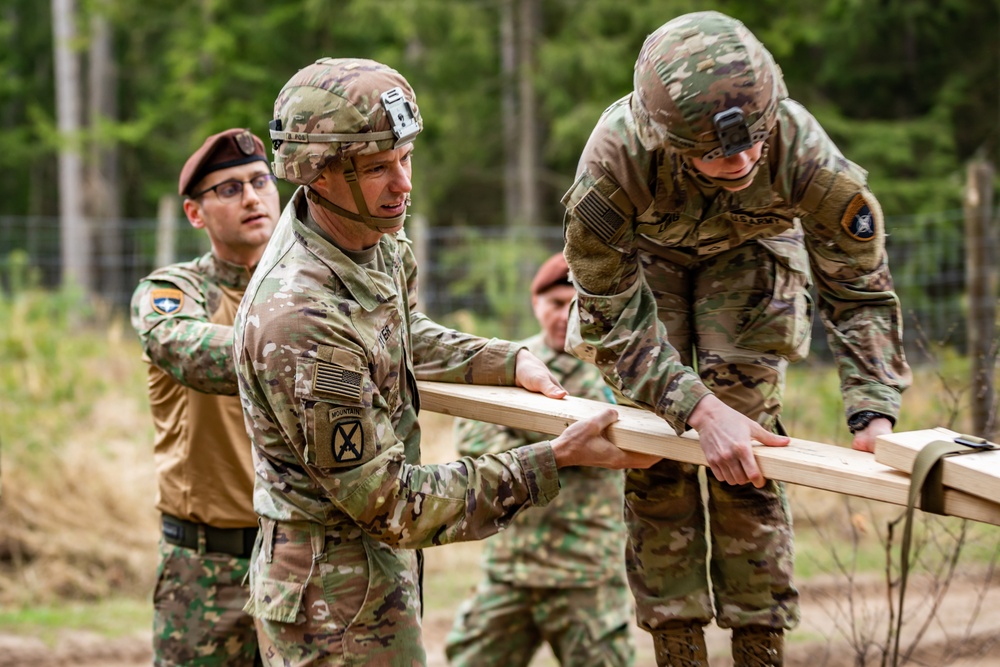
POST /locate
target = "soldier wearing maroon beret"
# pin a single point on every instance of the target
(184, 314)
(556, 575)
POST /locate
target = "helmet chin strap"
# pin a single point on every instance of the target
(363, 215)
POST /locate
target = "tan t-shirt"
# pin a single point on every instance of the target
(183, 314)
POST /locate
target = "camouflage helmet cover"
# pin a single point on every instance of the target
(325, 110)
(695, 67)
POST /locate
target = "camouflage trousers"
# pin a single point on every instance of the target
(503, 625)
(198, 614)
(737, 318)
(332, 596)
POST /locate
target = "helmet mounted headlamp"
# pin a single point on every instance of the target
(401, 117)
(731, 127)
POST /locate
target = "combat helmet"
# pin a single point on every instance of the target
(705, 87)
(333, 110)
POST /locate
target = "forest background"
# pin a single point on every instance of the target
(509, 91)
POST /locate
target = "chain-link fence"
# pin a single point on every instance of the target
(478, 277)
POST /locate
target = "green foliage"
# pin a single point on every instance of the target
(906, 88)
(912, 165)
(495, 272)
(50, 345)
(925, 70)
(114, 617)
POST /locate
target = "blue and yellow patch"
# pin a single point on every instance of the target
(166, 301)
(858, 220)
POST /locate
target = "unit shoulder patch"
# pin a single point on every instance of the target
(344, 437)
(347, 444)
(858, 220)
(166, 301)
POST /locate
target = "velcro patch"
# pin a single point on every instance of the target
(341, 437)
(858, 220)
(166, 301)
(331, 381)
(347, 442)
(600, 216)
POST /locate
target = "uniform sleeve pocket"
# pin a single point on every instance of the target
(275, 600)
(334, 389)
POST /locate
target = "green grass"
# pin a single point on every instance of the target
(111, 618)
(57, 355)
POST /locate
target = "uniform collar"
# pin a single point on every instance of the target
(368, 288)
(224, 273)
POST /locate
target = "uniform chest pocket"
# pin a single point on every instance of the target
(335, 398)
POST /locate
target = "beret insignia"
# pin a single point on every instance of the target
(246, 143)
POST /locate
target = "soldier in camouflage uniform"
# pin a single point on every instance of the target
(557, 574)
(329, 347)
(184, 314)
(705, 203)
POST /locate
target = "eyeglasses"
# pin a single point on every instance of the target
(232, 190)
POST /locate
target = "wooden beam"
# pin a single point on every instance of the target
(977, 474)
(803, 462)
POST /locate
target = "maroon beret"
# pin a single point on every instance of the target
(553, 272)
(220, 151)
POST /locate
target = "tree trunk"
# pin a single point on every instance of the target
(103, 200)
(981, 277)
(508, 104)
(528, 159)
(166, 230)
(74, 237)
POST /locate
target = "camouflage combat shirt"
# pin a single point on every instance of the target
(579, 538)
(807, 204)
(329, 348)
(184, 315)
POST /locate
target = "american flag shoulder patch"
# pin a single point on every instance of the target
(336, 382)
(600, 215)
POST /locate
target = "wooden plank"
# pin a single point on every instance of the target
(976, 474)
(814, 464)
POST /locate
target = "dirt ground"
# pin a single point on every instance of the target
(968, 638)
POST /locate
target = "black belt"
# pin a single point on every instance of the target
(232, 541)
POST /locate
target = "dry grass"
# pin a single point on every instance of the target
(76, 517)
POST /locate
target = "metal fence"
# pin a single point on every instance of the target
(477, 278)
